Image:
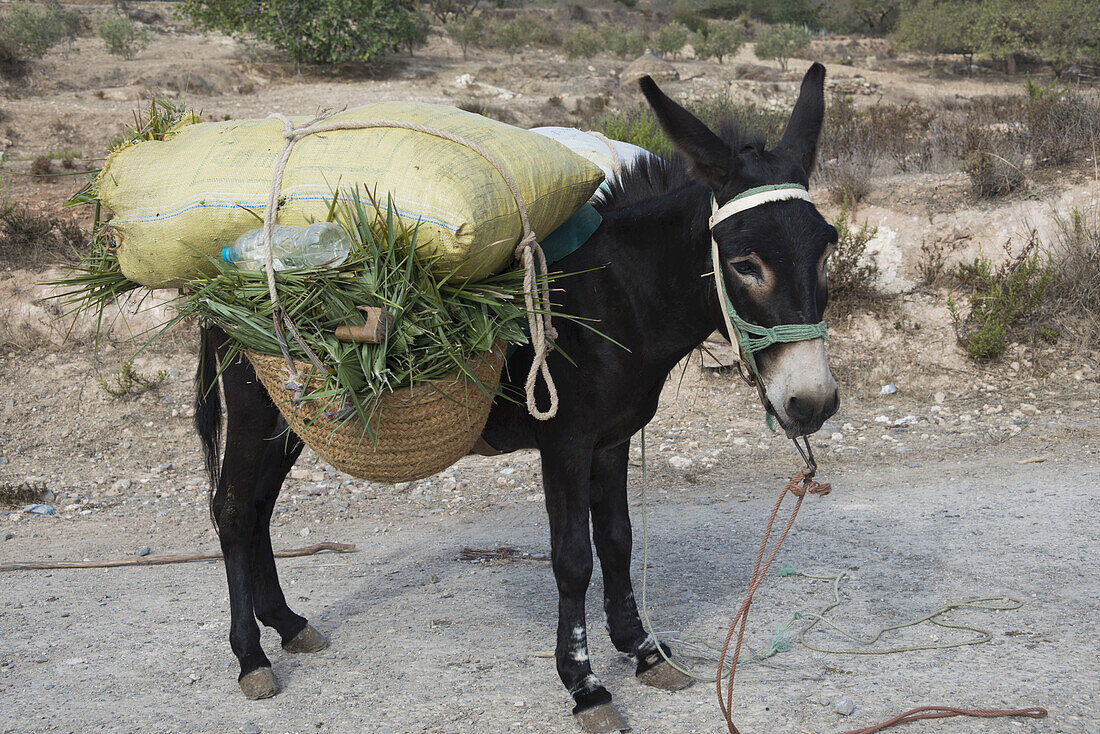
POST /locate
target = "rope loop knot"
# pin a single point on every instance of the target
(803, 482)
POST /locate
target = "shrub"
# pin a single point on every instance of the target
(689, 19)
(28, 239)
(1074, 292)
(515, 33)
(121, 35)
(636, 124)
(626, 43)
(448, 10)
(670, 39)
(470, 31)
(583, 42)
(719, 40)
(849, 273)
(851, 182)
(999, 297)
(781, 42)
(995, 174)
(312, 31)
(29, 30)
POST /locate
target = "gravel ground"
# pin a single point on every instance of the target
(443, 618)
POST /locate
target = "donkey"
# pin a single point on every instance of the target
(648, 278)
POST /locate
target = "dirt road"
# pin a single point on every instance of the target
(424, 640)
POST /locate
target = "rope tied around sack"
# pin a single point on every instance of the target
(536, 294)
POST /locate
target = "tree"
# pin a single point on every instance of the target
(515, 34)
(121, 35)
(781, 42)
(938, 27)
(719, 40)
(29, 30)
(581, 43)
(470, 31)
(670, 39)
(314, 31)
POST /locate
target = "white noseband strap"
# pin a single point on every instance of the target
(755, 197)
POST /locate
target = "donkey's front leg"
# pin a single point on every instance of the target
(611, 527)
(566, 481)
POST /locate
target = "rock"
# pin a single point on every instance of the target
(145, 550)
(300, 473)
(40, 510)
(845, 707)
(250, 728)
(8, 535)
(939, 397)
(303, 532)
(121, 485)
(681, 463)
(889, 389)
(648, 64)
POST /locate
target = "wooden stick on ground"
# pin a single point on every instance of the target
(162, 560)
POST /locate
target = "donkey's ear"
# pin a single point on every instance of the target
(710, 158)
(804, 127)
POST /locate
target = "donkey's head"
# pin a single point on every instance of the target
(771, 249)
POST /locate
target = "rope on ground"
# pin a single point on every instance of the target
(164, 560)
(986, 603)
(528, 251)
(801, 483)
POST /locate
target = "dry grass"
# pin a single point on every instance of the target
(1073, 299)
(16, 496)
(29, 239)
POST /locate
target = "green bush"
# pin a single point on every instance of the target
(1000, 297)
(781, 42)
(636, 124)
(121, 35)
(670, 39)
(583, 42)
(849, 273)
(719, 40)
(29, 30)
(470, 31)
(514, 34)
(313, 31)
(626, 43)
(689, 18)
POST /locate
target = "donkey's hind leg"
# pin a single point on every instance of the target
(267, 595)
(612, 536)
(252, 420)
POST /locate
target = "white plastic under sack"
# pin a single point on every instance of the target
(610, 155)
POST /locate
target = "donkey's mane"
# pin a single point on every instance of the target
(654, 175)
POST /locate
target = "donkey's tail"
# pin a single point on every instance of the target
(208, 411)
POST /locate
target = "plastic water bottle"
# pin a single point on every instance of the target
(319, 244)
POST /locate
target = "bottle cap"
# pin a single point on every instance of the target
(227, 254)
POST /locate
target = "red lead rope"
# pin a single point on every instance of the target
(800, 484)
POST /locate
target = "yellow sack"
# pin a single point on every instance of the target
(180, 200)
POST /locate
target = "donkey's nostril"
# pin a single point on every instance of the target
(800, 410)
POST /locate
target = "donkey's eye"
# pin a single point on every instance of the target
(747, 268)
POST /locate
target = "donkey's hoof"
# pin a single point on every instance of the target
(260, 683)
(603, 719)
(308, 640)
(662, 675)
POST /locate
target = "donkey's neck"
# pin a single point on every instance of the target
(667, 244)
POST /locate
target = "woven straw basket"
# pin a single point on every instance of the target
(420, 431)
